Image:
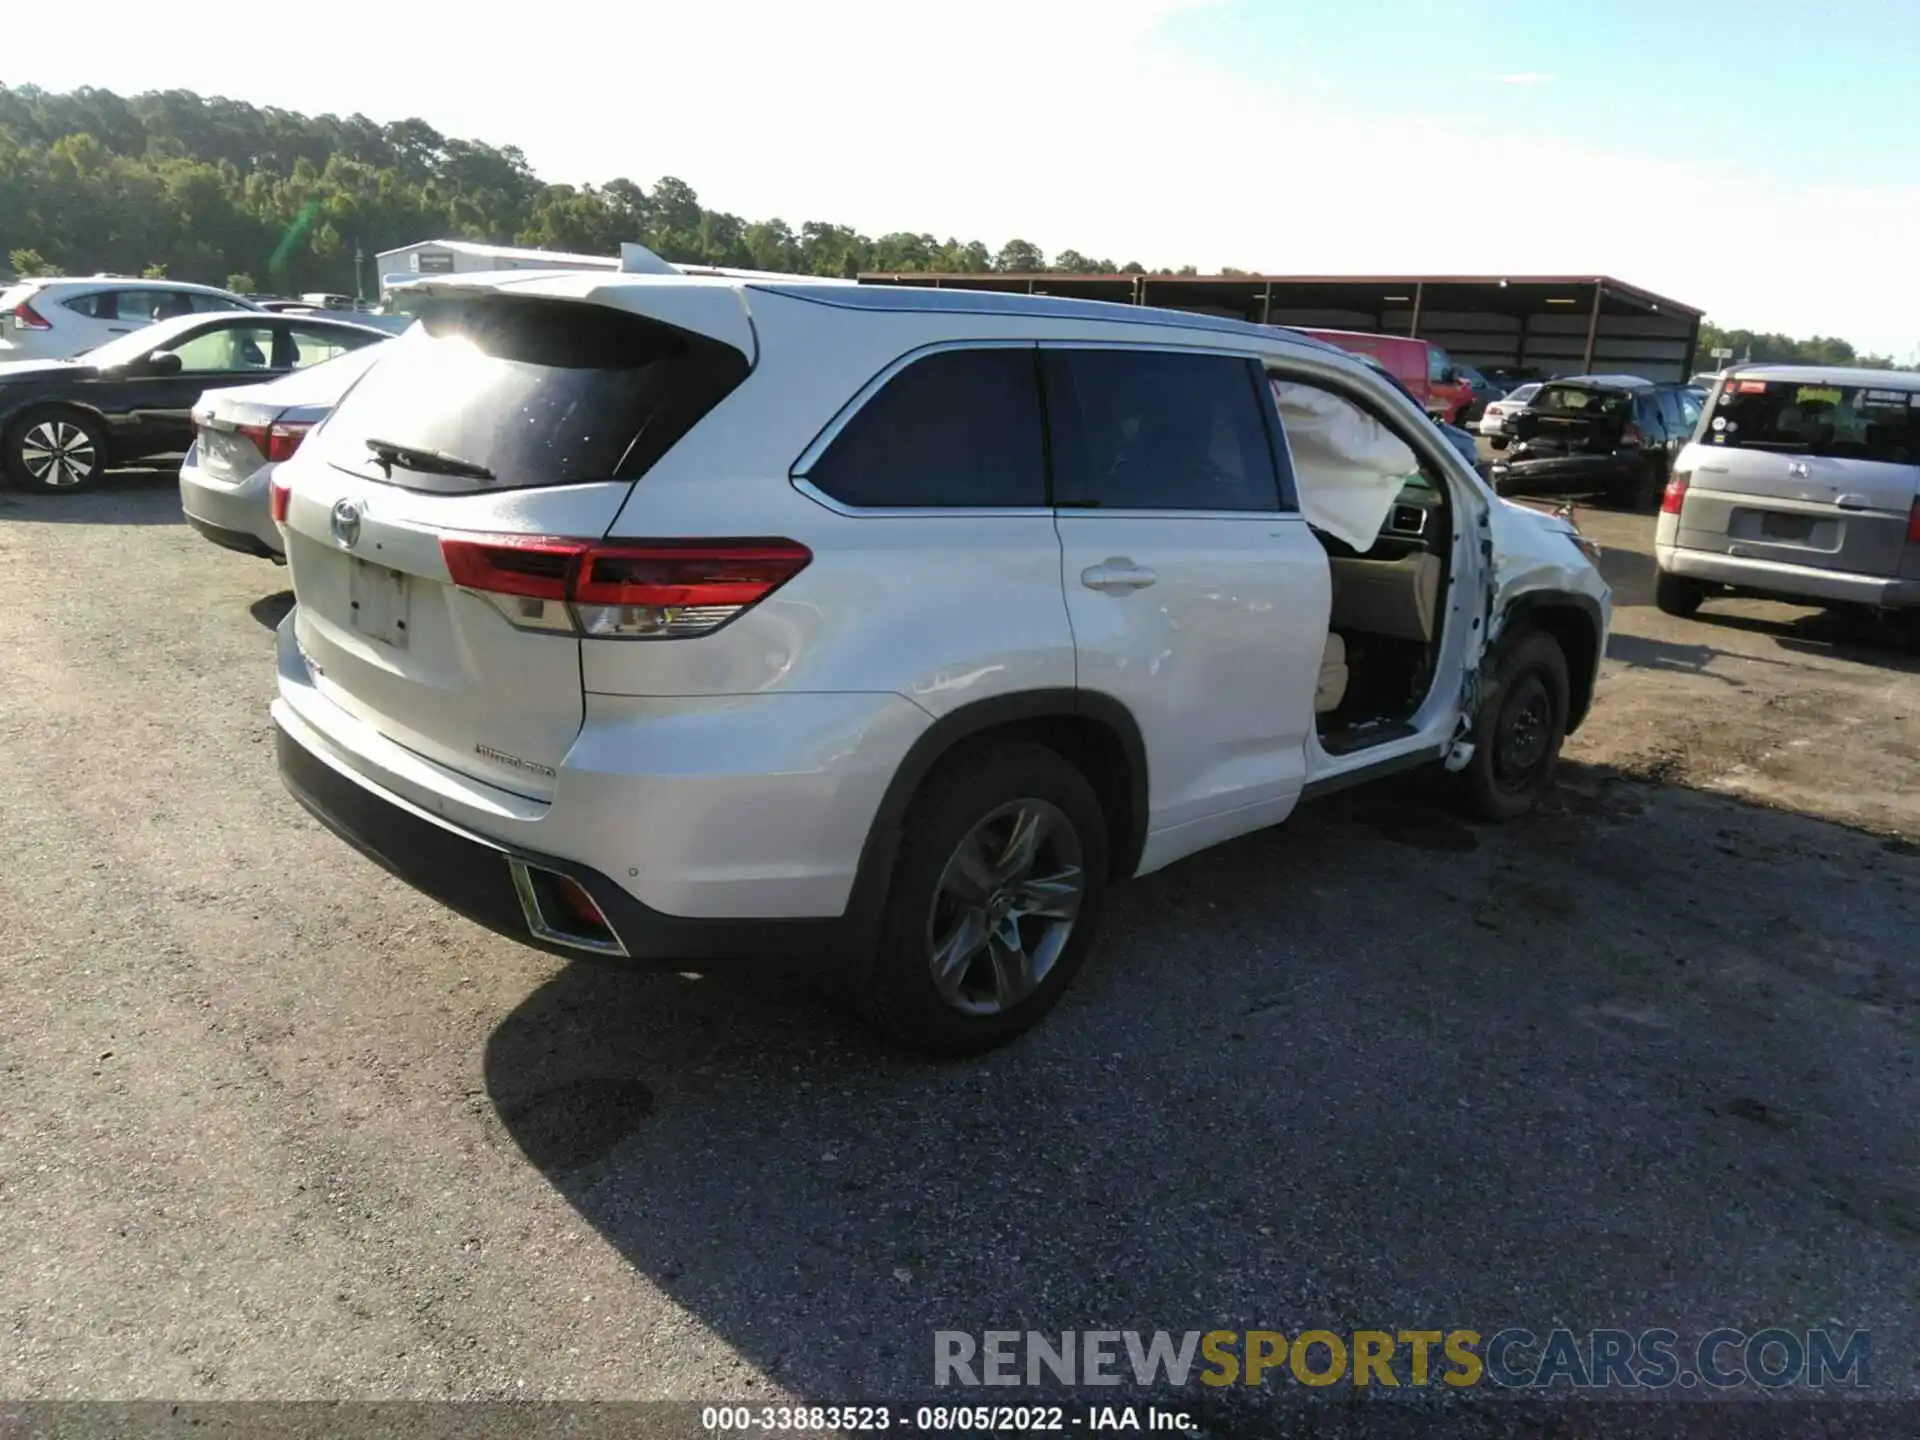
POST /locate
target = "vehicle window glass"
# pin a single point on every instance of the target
(957, 428)
(311, 346)
(1846, 422)
(1154, 430)
(227, 349)
(537, 391)
(1689, 409)
(1437, 363)
(212, 304)
(1577, 399)
(1670, 412)
(95, 306)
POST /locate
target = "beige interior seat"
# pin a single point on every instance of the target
(1332, 688)
(1399, 598)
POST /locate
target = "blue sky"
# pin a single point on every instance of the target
(1771, 88)
(1756, 159)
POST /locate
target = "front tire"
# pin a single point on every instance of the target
(1520, 728)
(1676, 595)
(996, 897)
(55, 451)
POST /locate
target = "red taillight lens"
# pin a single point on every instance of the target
(278, 441)
(1913, 524)
(278, 497)
(25, 317)
(1632, 437)
(664, 590)
(1675, 495)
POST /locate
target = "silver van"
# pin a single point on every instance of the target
(1800, 483)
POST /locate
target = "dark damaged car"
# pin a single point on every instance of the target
(1613, 435)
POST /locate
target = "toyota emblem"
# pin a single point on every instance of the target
(346, 524)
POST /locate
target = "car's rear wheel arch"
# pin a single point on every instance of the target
(1096, 733)
(1574, 622)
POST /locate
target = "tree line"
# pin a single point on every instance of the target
(1785, 350)
(225, 193)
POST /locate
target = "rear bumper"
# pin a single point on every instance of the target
(474, 876)
(239, 517)
(1568, 472)
(1788, 582)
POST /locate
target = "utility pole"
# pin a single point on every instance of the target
(359, 289)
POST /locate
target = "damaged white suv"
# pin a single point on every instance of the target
(685, 621)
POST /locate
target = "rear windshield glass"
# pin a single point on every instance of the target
(527, 392)
(1846, 422)
(1577, 399)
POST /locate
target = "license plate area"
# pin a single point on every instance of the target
(379, 601)
(1792, 529)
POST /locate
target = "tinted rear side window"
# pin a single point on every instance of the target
(540, 392)
(957, 428)
(1842, 422)
(1154, 430)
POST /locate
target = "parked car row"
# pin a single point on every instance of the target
(64, 422)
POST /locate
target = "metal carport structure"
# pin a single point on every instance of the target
(1557, 325)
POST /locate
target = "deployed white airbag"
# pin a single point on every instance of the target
(1348, 466)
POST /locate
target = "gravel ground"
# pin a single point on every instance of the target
(274, 1126)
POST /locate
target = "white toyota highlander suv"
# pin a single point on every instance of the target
(680, 621)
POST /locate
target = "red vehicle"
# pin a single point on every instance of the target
(1424, 368)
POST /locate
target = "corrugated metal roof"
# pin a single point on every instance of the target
(1256, 283)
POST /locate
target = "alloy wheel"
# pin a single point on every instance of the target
(58, 454)
(1004, 907)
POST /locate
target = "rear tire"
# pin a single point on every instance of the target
(996, 897)
(1676, 595)
(54, 450)
(1520, 728)
(1643, 494)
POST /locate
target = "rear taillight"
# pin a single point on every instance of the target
(278, 496)
(25, 317)
(653, 590)
(1913, 524)
(1632, 437)
(1675, 495)
(278, 441)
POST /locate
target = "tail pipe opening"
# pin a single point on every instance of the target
(560, 911)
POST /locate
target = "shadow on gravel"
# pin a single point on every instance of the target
(1891, 642)
(142, 496)
(1376, 1068)
(270, 610)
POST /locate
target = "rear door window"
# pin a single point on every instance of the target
(955, 429)
(1437, 365)
(1842, 422)
(1159, 430)
(1671, 416)
(531, 391)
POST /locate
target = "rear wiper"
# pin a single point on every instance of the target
(425, 461)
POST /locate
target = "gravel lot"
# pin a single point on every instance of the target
(274, 1126)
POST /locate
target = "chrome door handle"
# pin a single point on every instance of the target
(1853, 502)
(1117, 574)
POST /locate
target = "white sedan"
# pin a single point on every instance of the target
(1494, 421)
